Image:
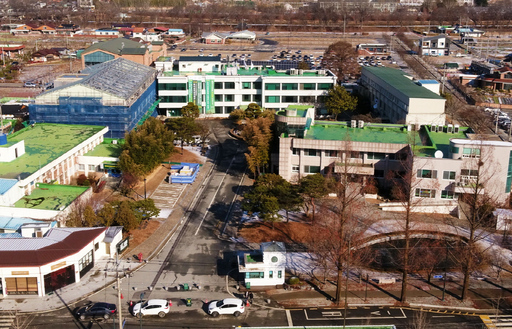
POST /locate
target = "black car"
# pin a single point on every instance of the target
(96, 310)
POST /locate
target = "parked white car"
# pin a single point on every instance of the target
(232, 306)
(158, 307)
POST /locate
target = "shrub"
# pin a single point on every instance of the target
(294, 280)
(81, 179)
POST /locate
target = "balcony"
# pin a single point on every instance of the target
(354, 168)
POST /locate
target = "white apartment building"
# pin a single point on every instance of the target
(219, 87)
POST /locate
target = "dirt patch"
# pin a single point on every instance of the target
(291, 232)
(141, 234)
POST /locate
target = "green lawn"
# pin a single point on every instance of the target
(51, 197)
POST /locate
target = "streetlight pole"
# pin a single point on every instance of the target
(144, 188)
(119, 300)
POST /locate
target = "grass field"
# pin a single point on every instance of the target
(51, 197)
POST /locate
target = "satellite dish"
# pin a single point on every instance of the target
(438, 154)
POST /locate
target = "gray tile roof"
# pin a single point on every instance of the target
(119, 46)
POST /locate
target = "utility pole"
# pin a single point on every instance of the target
(119, 300)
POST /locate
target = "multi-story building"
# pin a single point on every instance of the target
(397, 98)
(446, 160)
(119, 94)
(219, 87)
(438, 45)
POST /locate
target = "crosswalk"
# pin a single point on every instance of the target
(6, 321)
(497, 321)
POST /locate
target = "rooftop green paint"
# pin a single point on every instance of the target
(106, 150)
(50, 196)
(243, 72)
(397, 79)
(44, 143)
(393, 134)
(118, 46)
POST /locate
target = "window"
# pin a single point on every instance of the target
(310, 152)
(173, 86)
(307, 99)
(96, 246)
(272, 99)
(256, 98)
(218, 98)
(355, 155)
(311, 169)
(174, 99)
(81, 167)
(246, 85)
(279, 274)
(331, 154)
(290, 99)
(324, 86)
(455, 150)
(254, 275)
(295, 168)
(295, 151)
(230, 109)
(449, 175)
(270, 274)
(274, 259)
(469, 172)
(290, 86)
(256, 85)
(426, 173)
(425, 193)
(468, 152)
(218, 109)
(229, 98)
(92, 167)
(272, 86)
(229, 85)
(86, 260)
(376, 156)
(246, 98)
(446, 194)
(378, 173)
(218, 85)
(308, 86)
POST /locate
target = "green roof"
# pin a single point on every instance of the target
(397, 80)
(119, 46)
(106, 150)
(243, 71)
(44, 143)
(50, 196)
(395, 134)
(441, 140)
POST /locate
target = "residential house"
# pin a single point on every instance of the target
(67, 28)
(265, 267)
(46, 29)
(468, 32)
(12, 51)
(435, 46)
(146, 34)
(44, 55)
(213, 38)
(106, 32)
(23, 29)
(371, 49)
(500, 79)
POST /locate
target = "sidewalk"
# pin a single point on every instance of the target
(105, 271)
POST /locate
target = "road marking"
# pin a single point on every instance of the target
(330, 317)
(213, 198)
(289, 318)
(331, 313)
(443, 316)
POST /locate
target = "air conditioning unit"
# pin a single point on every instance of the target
(408, 127)
(301, 72)
(456, 129)
(360, 124)
(433, 128)
(293, 71)
(353, 123)
(450, 129)
(114, 141)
